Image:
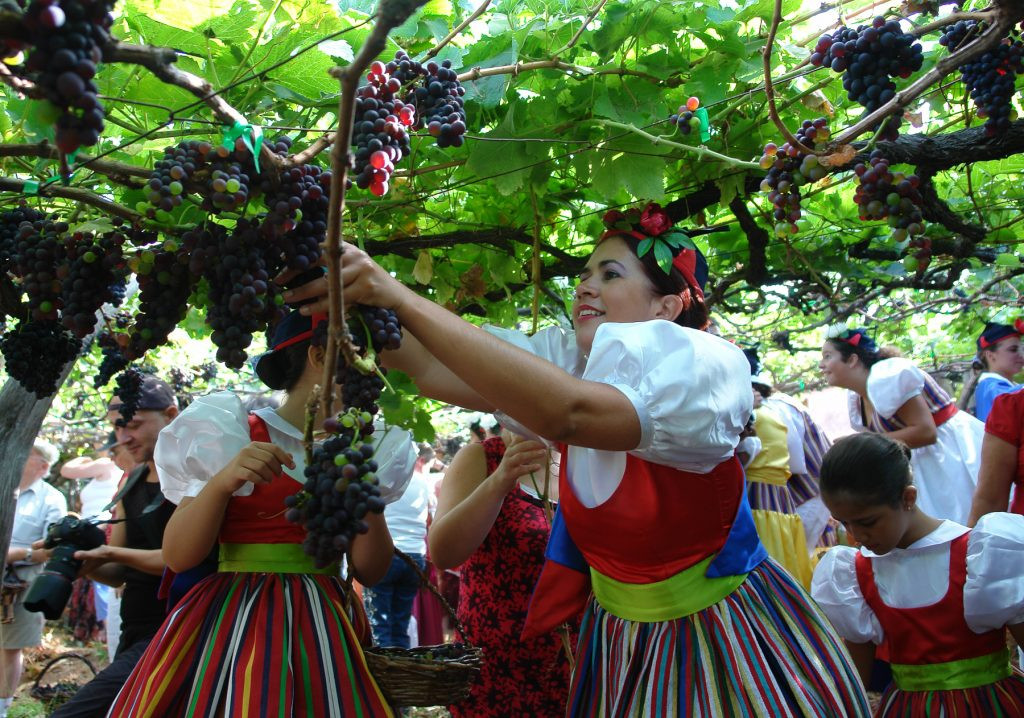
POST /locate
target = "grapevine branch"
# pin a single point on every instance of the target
(161, 62)
(769, 89)
(432, 52)
(120, 172)
(390, 14)
(579, 33)
(78, 194)
(700, 151)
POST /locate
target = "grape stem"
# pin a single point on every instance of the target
(700, 151)
(769, 89)
(390, 14)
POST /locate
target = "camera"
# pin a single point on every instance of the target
(51, 590)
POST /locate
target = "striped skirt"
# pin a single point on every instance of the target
(1002, 699)
(764, 650)
(255, 644)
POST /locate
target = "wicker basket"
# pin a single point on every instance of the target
(8, 597)
(426, 675)
(57, 694)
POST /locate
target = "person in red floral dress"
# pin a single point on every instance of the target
(491, 519)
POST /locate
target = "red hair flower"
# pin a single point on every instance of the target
(612, 218)
(654, 220)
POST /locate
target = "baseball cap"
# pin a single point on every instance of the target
(291, 330)
(154, 395)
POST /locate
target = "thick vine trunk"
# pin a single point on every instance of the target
(21, 416)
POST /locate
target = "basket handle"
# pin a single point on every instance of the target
(444, 603)
(58, 659)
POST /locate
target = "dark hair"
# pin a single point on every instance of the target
(695, 311)
(867, 352)
(872, 468)
(284, 372)
(763, 389)
(476, 429)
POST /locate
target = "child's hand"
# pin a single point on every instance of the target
(260, 462)
(521, 458)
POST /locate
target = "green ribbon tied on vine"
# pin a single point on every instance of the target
(32, 187)
(252, 137)
(666, 246)
(705, 123)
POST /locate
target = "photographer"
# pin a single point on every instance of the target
(39, 505)
(132, 557)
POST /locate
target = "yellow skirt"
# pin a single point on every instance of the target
(783, 536)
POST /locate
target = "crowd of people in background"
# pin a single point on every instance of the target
(641, 502)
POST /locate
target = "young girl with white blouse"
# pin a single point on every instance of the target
(940, 595)
(269, 634)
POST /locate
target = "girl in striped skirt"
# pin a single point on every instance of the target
(683, 612)
(940, 595)
(268, 634)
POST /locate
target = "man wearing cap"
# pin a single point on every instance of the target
(38, 505)
(132, 557)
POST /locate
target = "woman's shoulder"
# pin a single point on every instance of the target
(892, 368)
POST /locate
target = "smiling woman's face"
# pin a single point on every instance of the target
(613, 288)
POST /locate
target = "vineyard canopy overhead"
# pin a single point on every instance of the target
(568, 110)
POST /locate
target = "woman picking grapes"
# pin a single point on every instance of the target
(688, 614)
(268, 634)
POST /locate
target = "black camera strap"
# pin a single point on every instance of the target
(139, 474)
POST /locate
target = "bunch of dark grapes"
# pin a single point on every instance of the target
(437, 99)
(869, 57)
(208, 371)
(789, 169)
(68, 39)
(220, 175)
(171, 173)
(341, 487)
(35, 353)
(297, 207)
(921, 257)
(39, 259)
(180, 380)
(165, 284)
(379, 131)
(241, 296)
(227, 187)
(990, 79)
(684, 119)
(112, 359)
(10, 224)
(128, 389)
(97, 264)
(893, 196)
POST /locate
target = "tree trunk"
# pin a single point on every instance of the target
(21, 416)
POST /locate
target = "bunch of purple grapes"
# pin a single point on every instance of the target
(789, 169)
(892, 196)
(68, 39)
(128, 389)
(438, 98)
(869, 57)
(39, 260)
(379, 129)
(95, 274)
(297, 205)
(991, 78)
(35, 354)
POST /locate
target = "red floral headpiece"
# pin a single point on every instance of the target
(655, 230)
